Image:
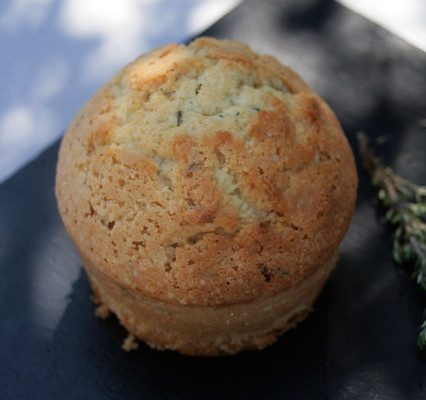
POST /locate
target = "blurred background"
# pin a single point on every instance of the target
(55, 54)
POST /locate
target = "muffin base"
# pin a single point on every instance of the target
(204, 330)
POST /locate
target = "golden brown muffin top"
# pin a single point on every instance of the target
(206, 174)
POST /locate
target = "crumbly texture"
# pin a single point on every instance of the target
(130, 343)
(205, 175)
(205, 330)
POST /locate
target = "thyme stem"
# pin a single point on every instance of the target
(405, 205)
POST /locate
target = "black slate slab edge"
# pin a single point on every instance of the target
(360, 341)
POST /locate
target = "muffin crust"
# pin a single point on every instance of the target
(206, 175)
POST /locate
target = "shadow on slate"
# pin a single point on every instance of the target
(359, 342)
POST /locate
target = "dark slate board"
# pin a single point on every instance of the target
(360, 341)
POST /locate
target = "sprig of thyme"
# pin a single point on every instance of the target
(405, 206)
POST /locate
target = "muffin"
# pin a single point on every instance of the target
(207, 189)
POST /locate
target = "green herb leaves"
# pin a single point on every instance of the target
(405, 206)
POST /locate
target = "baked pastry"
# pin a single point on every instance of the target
(207, 189)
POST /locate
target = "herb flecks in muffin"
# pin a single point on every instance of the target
(179, 118)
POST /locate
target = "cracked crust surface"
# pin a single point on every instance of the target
(206, 175)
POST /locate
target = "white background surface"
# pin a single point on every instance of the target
(55, 54)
